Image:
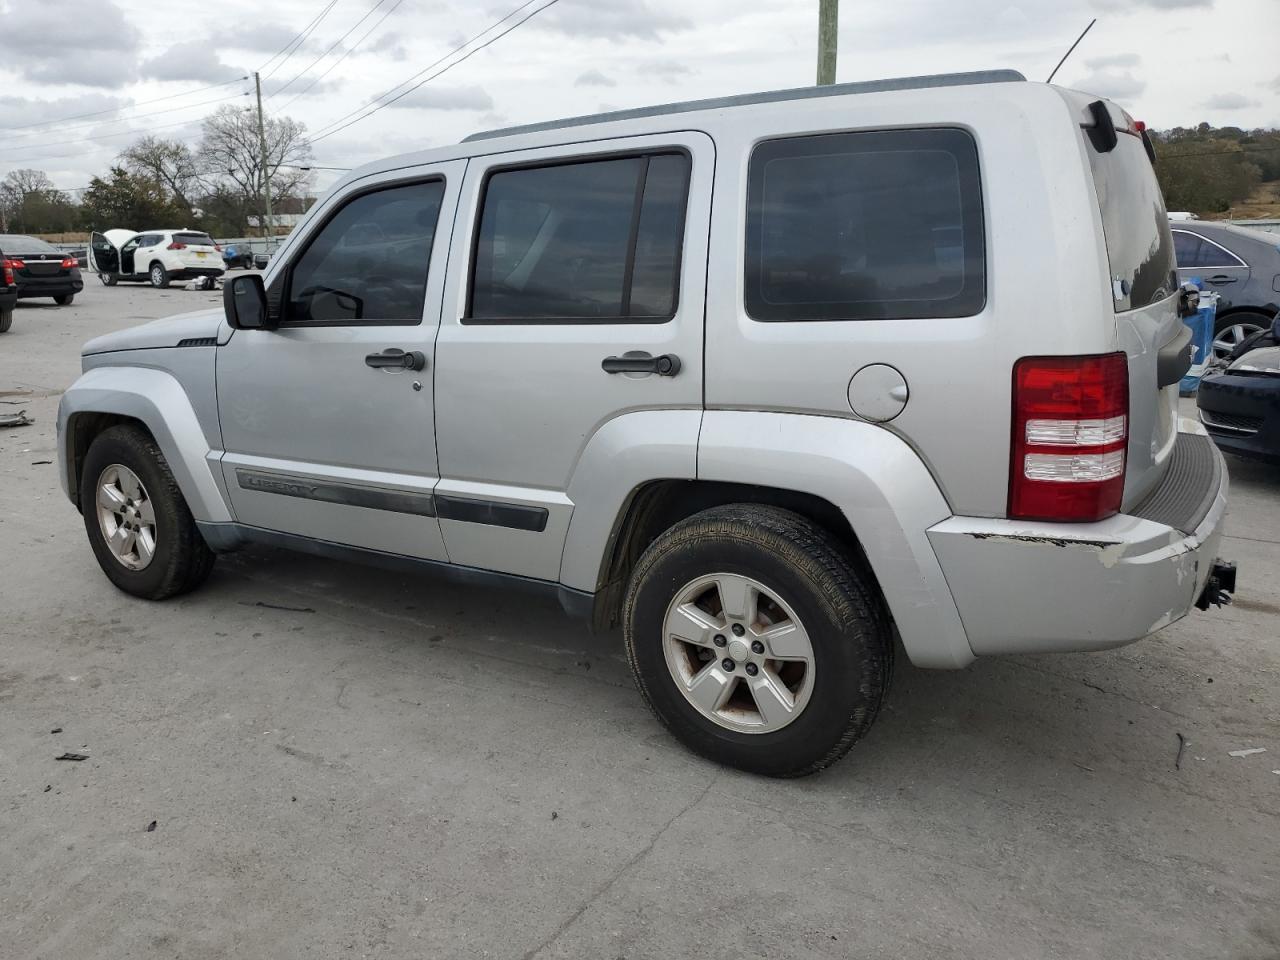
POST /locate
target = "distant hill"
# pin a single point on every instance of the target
(1217, 172)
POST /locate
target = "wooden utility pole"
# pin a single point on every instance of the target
(266, 171)
(828, 19)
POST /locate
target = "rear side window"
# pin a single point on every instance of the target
(587, 241)
(879, 225)
(1134, 224)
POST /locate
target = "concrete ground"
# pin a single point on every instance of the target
(403, 768)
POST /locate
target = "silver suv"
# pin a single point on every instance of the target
(769, 381)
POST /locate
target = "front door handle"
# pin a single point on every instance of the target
(1221, 278)
(666, 365)
(393, 358)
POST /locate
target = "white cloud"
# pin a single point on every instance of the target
(616, 20)
(1113, 60)
(1113, 84)
(594, 78)
(90, 43)
(193, 60)
(446, 98)
(1230, 101)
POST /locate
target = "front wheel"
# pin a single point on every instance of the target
(138, 523)
(1234, 329)
(65, 300)
(757, 641)
(159, 276)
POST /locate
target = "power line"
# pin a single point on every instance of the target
(346, 53)
(98, 113)
(140, 116)
(429, 67)
(1242, 152)
(329, 50)
(298, 40)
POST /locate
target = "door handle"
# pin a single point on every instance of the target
(393, 358)
(636, 361)
(1220, 279)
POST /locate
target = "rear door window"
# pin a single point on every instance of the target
(194, 239)
(872, 225)
(1186, 248)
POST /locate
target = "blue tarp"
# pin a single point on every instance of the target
(1201, 342)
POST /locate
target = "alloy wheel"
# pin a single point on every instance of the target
(1231, 337)
(127, 517)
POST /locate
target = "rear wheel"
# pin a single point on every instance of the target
(138, 523)
(6, 319)
(65, 300)
(1232, 330)
(757, 641)
(159, 276)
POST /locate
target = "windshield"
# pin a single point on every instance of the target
(1134, 224)
(20, 243)
(194, 239)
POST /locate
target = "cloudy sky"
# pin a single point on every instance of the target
(85, 77)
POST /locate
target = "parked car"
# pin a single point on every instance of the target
(1242, 266)
(8, 293)
(1240, 406)
(155, 257)
(262, 260)
(233, 256)
(765, 423)
(41, 269)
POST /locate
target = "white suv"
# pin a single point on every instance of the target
(155, 256)
(769, 381)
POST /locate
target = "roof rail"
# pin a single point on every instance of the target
(768, 96)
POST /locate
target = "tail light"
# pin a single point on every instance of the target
(69, 262)
(1070, 433)
(9, 266)
(176, 246)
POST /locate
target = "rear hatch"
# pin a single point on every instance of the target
(197, 250)
(1144, 282)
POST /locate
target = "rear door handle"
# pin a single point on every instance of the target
(636, 361)
(1221, 278)
(393, 358)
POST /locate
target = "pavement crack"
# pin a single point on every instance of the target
(620, 872)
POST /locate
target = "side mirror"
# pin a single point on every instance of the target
(244, 300)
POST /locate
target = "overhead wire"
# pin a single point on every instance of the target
(297, 42)
(140, 116)
(328, 50)
(143, 103)
(340, 123)
(346, 53)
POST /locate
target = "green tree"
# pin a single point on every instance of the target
(30, 203)
(130, 201)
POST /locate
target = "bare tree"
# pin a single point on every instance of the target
(170, 162)
(30, 202)
(230, 152)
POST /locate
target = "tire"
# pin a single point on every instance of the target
(65, 300)
(181, 560)
(158, 275)
(108, 280)
(799, 566)
(6, 320)
(1230, 331)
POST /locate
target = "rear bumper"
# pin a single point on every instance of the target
(1242, 413)
(51, 287)
(1025, 587)
(186, 272)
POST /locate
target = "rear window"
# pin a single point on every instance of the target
(874, 225)
(194, 239)
(20, 243)
(1134, 224)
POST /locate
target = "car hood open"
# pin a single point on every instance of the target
(198, 329)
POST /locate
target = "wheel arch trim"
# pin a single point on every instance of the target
(156, 400)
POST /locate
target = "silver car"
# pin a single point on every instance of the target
(767, 381)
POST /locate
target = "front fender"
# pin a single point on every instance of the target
(885, 492)
(157, 399)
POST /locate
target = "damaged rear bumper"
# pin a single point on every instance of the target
(1026, 587)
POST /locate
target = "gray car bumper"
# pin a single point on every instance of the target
(1025, 587)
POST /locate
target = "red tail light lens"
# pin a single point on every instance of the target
(176, 246)
(1070, 433)
(69, 262)
(12, 264)
(7, 267)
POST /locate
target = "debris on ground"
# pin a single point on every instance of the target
(48, 787)
(1082, 766)
(151, 827)
(73, 756)
(554, 815)
(1246, 753)
(39, 463)
(275, 606)
(56, 730)
(19, 419)
(1183, 742)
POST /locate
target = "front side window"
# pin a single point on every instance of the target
(368, 263)
(875, 225)
(583, 241)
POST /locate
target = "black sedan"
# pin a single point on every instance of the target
(1240, 406)
(1241, 265)
(40, 269)
(8, 293)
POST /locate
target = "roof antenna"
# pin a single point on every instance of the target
(1073, 46)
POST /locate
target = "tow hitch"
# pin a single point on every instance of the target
(1219, 587)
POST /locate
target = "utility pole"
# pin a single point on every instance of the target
(262, 146)
(828, 18)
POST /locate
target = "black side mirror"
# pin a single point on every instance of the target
(244, 300)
